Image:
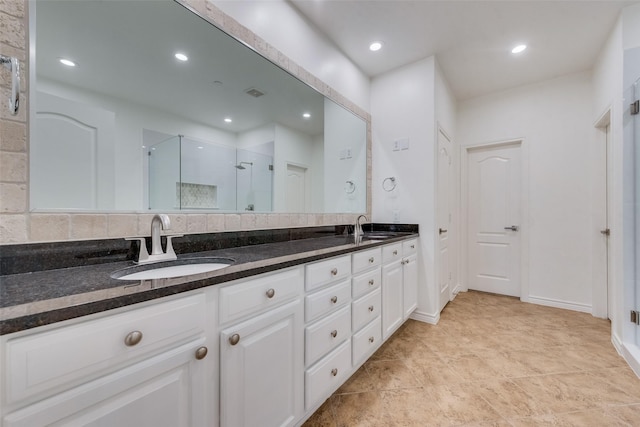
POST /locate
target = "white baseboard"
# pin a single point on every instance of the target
(455, 292)
(421, 316)
(630, 353)
(585, 308)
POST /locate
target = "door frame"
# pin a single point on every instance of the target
(603, 298)
(454, 285)
(524, 210)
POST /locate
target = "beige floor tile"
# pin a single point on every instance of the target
(413, 408)
(508, 399)
(359, 382)
(360, 410)
(491, 361)
(323, 417)
(390, 374)
(461, 404)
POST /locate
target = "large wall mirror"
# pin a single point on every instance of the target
(144, 105)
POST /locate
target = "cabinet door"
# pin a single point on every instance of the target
(261, 369)
(167, 390)
(392, 300)
(410, 284)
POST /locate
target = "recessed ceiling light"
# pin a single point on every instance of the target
(181, 56)
(200, 147)
(228, 119)
(375, 46)
(519, 48)
(306, 115)
(67, 62)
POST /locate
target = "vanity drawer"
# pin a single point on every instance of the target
(324, 335)
(327, 375)
(323, 272)
(365, 309)
(367, 341)
(391, 252)
(75, 353)
(255, 295)
(325, 300)
(409, 247)
(364, 260)
(366, 282)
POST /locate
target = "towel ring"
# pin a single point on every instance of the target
(389, 184)
(350, 187)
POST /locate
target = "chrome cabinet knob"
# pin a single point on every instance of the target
(201, 352)
(334, 272)
(334, 372)
(413, 246)
(371, 340)
(234, 339)
(395, 252)
(371, 260)
(270, 293)
(334, 333)
(334, 299)
(133, 338)
(371, 308)
(371, 282)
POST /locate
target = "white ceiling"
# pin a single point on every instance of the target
(472, 40)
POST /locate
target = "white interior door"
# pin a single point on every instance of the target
(444, 218)
(296, 195)
(493, 219)
(71, 155)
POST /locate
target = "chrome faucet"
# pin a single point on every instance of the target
(158, 222)
(357, 229)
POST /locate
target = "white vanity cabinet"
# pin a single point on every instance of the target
(261, 356)
(328, 328)
(148, 365)
(399, 284)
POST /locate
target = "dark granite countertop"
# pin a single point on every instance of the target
(52, 291)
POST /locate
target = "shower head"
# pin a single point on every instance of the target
(240, 167)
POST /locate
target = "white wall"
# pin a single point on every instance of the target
(276, 20)
(555, 120)
(403, 106)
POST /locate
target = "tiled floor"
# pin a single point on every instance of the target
(491, 361)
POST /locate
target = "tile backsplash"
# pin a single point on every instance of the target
(18, 225)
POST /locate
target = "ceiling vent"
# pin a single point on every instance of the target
(256, 93)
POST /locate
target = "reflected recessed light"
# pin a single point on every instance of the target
(228, 119)
(375, 46)
(67, 62)
(200, 147)
(181, 56)
(306, 115)
(519, 48)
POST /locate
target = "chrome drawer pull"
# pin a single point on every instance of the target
(334, 272)
(413, 246)
(234, 339)
(371, 340)
(371, 308)
(201, 353)
(133, 338)
(334, 299)
(371, 260)
(334, 372)
(334, 333)
(395, 252)
(371, 282)
(270, 293)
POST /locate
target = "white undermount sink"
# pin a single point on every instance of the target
(178, 268)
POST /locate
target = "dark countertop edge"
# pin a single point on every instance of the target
(34, 320)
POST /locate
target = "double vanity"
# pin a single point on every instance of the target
(262, 339)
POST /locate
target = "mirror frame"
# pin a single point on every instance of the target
(19, 225)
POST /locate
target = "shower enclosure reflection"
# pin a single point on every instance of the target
(189, 174)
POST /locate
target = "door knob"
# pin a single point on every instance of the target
(606, 232)
(512, 228)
